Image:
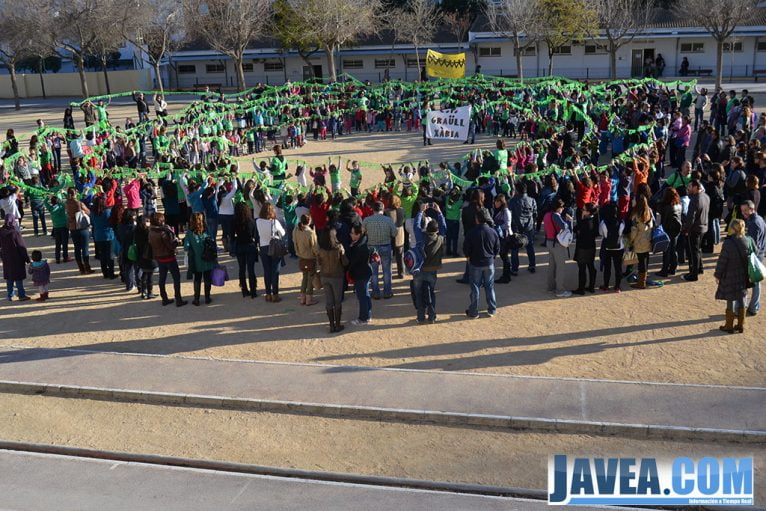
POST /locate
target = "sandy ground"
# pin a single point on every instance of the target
(402, 450)
(667, 334)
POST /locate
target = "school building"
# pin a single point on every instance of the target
(381, 57)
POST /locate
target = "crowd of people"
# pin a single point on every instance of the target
(150, 192)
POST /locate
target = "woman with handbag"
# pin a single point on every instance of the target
(78, 222)
(305, 242)
(360, 273)
(670, 215)
(245, 246)
(332, 260)
(732, 278)
(202, 258)
(272, 249)
(611, 229)
(586, 232)
(640, 238)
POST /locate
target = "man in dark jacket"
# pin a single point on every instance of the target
(756, 229)
(468, 219)
(523, 219)
(481, 246)
(431, 242)
(695, 227)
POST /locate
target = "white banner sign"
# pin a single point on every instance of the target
(448, 124)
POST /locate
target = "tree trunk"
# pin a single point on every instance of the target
(718, 63)
(550, 64)
(417, 58)
(83, 80)
(612, 60)
(15, 86)
(519, 70)
(40, 70)
(330, 50)
(106, 74)
(158, 76)
(284, 68)
(240, 74)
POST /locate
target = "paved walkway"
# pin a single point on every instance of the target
(33, 482)
(566, 405)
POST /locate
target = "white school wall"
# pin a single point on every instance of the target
(68, 84)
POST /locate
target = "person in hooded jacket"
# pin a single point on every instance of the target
(431, 241)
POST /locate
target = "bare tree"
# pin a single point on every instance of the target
(77, 25)
(719, 18)
(516, 20)
(110, 38)
(158, 29)
(229, 26)
(458, 24)
(14, 39)
(417, 21)
(619, 21)
(334, 23)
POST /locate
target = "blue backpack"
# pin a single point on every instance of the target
(413, 260)
(660, 240)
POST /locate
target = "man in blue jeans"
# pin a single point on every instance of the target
(756, 229)
(481, 246)
(431, 244)
(523, 219)
(381, 230)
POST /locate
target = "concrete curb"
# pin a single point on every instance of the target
(638, 431)
(242, 468)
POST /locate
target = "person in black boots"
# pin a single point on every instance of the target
(164, 243)
(245, 246)
(202, 256)
(586, 232)
(502, 219)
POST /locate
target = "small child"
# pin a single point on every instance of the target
(356, 176)
(41, 274)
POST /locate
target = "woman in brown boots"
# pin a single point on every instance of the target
(332, 262)
(731, 276)
(640, 237)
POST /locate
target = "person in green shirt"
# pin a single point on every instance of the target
(202, 268)
(56, 208)
(454, 208)
(334, 177)
(501, 155)
(278, 165)
(356, 176)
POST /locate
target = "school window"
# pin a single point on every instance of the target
(247, 68)
(564, 49)
(272, 66)
(187, 69)
(489, 52)
(414, 62)
(353, 64)
(735, 47)
(761, 46)
(692, 47)
(595, 49)
(384, 63)
(214, 68)
(529, 51)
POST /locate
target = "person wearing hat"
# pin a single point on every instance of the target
(481, 246)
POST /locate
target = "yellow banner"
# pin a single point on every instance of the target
(443, 65)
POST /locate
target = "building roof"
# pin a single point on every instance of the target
(384, 38)
(659, 19)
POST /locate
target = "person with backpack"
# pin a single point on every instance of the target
(611, 229)
(554, 222)
(523, 221)
(202, 256)
(429, 240)
(756, 230)
(640, 238)
(480, 246)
